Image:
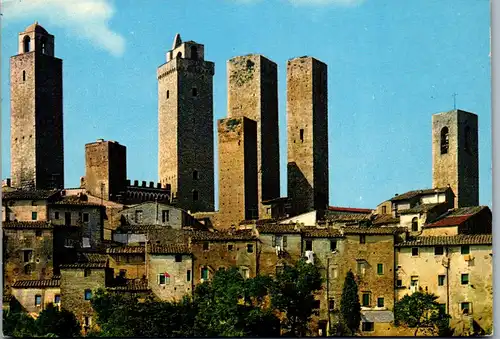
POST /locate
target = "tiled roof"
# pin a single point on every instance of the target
(421, 208)
(29, 195)
(349, 209)
(74, 200)
(92, 257)
(169, 249)
(346, 217)
(416, 193)
(125, 250)
(311, 232)
(223, 235)
(278, 228)
(467, 210)
(37, 283)
(27, 225)
(449, 221)
(257, 222)
(477, 239)
(84, 265)
(132, 285)
(373, 230)
(384, 219)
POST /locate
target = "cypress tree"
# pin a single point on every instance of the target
(350, 307)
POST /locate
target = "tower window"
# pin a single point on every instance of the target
(414, 225)
(194, 53)
(445, 142)
(26, 43)
(195, 195)
(196, 176)
(179, 55)
(24, 75)
(194, 91)
(43, 45)
(168, 94)
(302, 135)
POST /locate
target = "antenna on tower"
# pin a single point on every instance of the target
(454, 95)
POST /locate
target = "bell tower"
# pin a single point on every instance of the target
(37, 155)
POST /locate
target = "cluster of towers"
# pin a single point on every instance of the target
(249, 173)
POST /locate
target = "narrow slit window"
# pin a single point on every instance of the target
(24, 75)
(302, 135)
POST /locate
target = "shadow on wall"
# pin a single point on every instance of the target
(300, 190)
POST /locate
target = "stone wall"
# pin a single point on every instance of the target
(178, 285)
(26, 297)
(22, 210)
(151, 214)
(269, 259)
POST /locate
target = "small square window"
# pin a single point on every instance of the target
(194, 91)
(88, 294)
(380, 269)
(465, 249)
(230, 247)
(249, 248)
(399, 283)
(38, 233)
(57, 299)
(331, 304)
(333, 245)
(34, 215)
(165, 216)
(178, 258)
(204, 273)
(438, 250)
(465, 308)
(85, 217)
(366, 300)
(414, 251)
(465, 279)
(441, 280)
(87, 272)
(38, 300)
(309, 245)
(27, 255)
(56, 215)
(367, 327)
(161, 279)
(380, 302)
(362, 239)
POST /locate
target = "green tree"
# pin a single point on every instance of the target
(293, 294)
(350, 307)
(16, 322)
(61, 323)
(421, 311)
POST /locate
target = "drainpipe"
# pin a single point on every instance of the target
(329, 329)
(448, 261)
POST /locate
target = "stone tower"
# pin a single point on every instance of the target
(185, 126)
(253, 93)
(37, 155)
(105, 169)
(307, 111)
(455, 156)
(237, 171)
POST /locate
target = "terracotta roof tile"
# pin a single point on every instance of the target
(310, 232)
(132, 285)
(83, 265)
(477, 239)
(349, 209)
(416, 193)
(421, 208)
(279, 228)
(449, 221)
(169, 249)
(467, 210)
(29, 195)
(223, 235)
(74, 200)
(384, 219)
(258, 222)
(373, 230)
(27, 225)
(37, 283)
(333, 217)
(125, 250)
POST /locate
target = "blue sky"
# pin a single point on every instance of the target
(391, 65)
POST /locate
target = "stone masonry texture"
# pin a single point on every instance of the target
(253, 93)
(459, 167)
(37, 158)
(185, 126)
(307, 113)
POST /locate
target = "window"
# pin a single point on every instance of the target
(28, 269)
(178, 258)
(123, 273)
(333, 245)
(138, 216)
(194, 53)
(380, 269)
(465, 279)
(399, 283)
(87, 272)
(331, 304)
(414, 252)
(26, 43)
(366, 299)
(204, 273)
(245, 272)
(57, 299)
(384, 209)
(441, 280)
(444, 140)
(249, 248)
(414, 224)
(206, 246)
(163, 279)
(88, 294)
(87, 321)
(195, 195)
(309, 245)
(34, 215)
(188, 275)
(56, 215)
(380, 302)
(362, 239)
(367, 326)
(414, 283)
(168, 94)
(230, 247)
(465, 307)
(43, 44)
(465, 249)
(316, 307)
(194, 91)
(38, 300)
(284, 241)
(302, 135)
(438, 250)
(24, 75)
(165, 216)
(67, 218)
(442, 308)
(335, 272)
(38, 233)
(361, 268)
(196, 176)
(85, 217)
(27, 255)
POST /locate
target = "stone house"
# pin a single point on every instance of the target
(35, 295)
(128, 262)
(464, 220)
(170, 271)
(458, 269)
(225, 249)
(20, 205)
(410, 199)
(416, 217)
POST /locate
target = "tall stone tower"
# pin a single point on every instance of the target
(237, 170)
(185, 126)
(455, 155)
(37, 155)
(105, 169)
(253, 93)
(307, 111)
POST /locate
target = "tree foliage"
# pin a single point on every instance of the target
(421, 311)
(350, 307)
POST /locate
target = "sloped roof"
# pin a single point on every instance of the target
(349, 209)
(131, 285)
(416, 193)
(467, 210)
(223, 235)
(42, 283)
(98, 265)
(169, 249)
(125, 250)
(29, 194)
(476, 239)
(373, 230)
(278, 228)
(311, 232)
(27, 225)
(36, 27)
(340, 217)
(384, 219)
(422, 208)
(74, 200)
(449, 221)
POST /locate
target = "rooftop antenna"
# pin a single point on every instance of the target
(454, 95)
